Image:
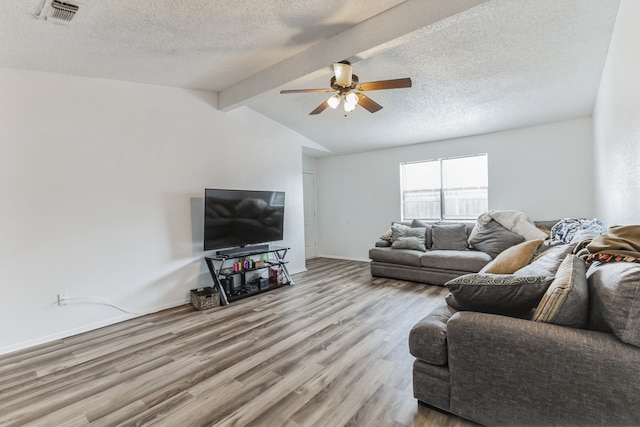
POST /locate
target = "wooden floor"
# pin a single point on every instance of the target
(329, 351)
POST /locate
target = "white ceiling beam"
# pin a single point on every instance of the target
(377, 34)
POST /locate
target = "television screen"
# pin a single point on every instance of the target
(235, 218)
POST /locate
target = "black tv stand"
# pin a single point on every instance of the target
(243, 251)
(234, 283)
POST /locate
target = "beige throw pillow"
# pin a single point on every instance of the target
(566, 301)
(513, 258)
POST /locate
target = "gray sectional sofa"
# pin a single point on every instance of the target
(434, 266)
(575, 361)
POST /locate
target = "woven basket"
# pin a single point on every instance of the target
(204, 298)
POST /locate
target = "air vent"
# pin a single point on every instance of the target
(63, 11)
(57, 11)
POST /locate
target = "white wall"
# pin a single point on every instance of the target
(617, 123)
(101, 187)
(544, 171)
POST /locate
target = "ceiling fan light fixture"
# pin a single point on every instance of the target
(351, 98)
(346, 87)
(334, 101)
(348, 106)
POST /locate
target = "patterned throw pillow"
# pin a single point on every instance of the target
(566, 302)
(497, 293)
(387, 236)
(416, 243)
(399, 230)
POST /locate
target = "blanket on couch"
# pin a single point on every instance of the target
(621, 241)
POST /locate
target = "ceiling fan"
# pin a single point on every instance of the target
(349, 89)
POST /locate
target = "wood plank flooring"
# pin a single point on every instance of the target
(330, 351)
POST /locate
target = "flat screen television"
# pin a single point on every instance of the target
(236, 218)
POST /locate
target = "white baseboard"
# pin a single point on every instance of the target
(85, 328)
(344, 258)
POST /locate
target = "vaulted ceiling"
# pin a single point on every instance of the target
(477, 66)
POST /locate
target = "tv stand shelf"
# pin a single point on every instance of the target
(230, 271)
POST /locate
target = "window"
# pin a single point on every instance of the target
(445, 189)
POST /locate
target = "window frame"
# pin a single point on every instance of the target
(442, 189)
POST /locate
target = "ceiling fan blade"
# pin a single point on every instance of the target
(343, 72)
(306, 90)
(367, 103)
(320, 108)
(385, 84)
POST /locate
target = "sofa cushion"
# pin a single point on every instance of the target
(493, 238)
(614, 299)
(417, 243)
(396, 256)
(497, 293)
(513, 258)
(449, 237)
(471, 261)
(418, 223)
(566, 302)
(428, 337)
(547, 262)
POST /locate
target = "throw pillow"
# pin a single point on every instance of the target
(544, 229)
(566, 302)
(513, 258)
(529, 231)
(497, 293)
(400, 230)
(388, 236)
(493, 238)
(547, 262)
(614, 300)
(449, 237)
(416, 243)
(416, 223)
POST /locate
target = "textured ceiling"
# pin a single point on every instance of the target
(477, 66)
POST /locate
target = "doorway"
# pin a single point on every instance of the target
(309, 194)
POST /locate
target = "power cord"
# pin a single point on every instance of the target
(100, 300)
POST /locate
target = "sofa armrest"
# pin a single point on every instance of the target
(383, 244)
(428, 337)
(538, 373)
